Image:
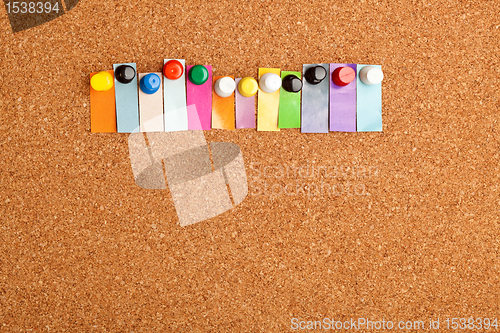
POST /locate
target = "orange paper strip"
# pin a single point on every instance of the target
(222, 109)
(102, 109)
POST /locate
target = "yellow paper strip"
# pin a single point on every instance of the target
(268, 105)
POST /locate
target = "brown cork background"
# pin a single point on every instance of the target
(83, 249)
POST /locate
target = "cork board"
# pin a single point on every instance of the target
(401, 225)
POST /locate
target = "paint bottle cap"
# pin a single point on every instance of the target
(248, 86)
(342, 76)
(292, 83)
(124, 74)
(198, 74)
(102, 81)
(224, 87)
(173, 69)
(371, 75)
(270, 82)
(150, 83)
(315, 74)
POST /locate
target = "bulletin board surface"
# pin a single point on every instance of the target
(401, 225)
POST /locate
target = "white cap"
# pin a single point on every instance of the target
(224, 86)
(371, 75)
(270, 82)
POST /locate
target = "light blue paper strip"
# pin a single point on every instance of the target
(315, 103)
(174, 101)
(127, 104)
(369, 105)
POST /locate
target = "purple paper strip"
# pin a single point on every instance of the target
(245, 109)
(199, 116)
(342, 103)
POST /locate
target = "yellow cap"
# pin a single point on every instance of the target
(248, 86)
(102, 81)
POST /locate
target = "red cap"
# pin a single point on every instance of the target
(342, 76)
(173, 70)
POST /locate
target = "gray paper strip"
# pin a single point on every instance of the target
(315, 99)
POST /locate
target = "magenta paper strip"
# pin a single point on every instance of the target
(200, 96)
(342, 103)
(245, 109)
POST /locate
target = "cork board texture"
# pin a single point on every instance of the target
(401, 225)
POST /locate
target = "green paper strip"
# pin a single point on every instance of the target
(289, 110)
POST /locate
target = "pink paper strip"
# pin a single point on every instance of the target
(199, 96)
(245, 109)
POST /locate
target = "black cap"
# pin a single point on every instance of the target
(125, 74)
(292, 83)
(315, 75)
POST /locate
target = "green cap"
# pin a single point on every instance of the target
(198, 74)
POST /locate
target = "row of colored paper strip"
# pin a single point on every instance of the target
(329, 97)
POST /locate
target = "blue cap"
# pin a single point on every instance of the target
(150, 83)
